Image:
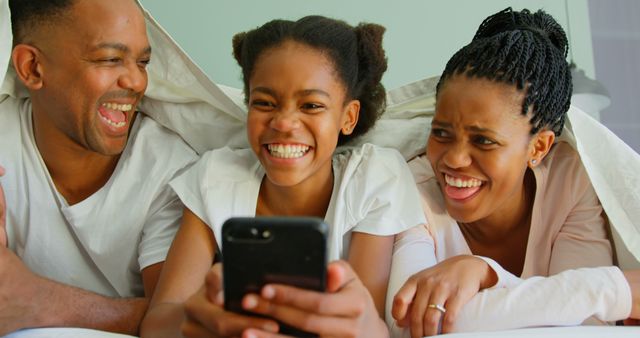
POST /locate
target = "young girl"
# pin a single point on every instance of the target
(310, 85)
(496, 182)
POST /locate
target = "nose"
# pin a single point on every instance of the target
(285, 119)
(134, 78)
(457, 156)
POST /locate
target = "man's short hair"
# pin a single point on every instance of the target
(27, 15)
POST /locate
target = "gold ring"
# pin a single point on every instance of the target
(437, 307)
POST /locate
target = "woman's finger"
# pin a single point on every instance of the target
(435, 310)
(403, 299)
(424, 289)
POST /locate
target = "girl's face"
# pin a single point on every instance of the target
(297, 109)
(480, 147)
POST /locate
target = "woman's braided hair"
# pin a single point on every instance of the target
(525, 49)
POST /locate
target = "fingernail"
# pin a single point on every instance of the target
(268, 292)
(250, 335)
(250, 302)
(271, 327)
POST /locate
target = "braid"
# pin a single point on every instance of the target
(526, 50)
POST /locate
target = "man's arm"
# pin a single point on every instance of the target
(30, 301)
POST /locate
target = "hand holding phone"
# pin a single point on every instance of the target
(265, 250)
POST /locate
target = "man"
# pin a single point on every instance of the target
(89, 215)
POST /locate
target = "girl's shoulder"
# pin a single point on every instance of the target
(227, 164)
(371, 165)
(370, 157)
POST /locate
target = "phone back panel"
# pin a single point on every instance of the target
(261, 250)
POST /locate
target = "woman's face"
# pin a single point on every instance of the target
(297, 110)
(479, 147)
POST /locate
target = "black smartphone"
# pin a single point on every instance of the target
(262, 250)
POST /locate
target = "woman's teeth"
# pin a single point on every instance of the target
(287, 151)
(459, 183)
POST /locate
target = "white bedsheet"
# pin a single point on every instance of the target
(64, 333)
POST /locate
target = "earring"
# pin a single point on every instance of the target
(534, 161)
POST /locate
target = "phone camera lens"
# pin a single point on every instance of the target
(254, 232)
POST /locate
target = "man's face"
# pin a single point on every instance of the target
(94, 74)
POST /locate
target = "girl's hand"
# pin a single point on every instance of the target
(345, 310)
(205, 315)
(438, 293)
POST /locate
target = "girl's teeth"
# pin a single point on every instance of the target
(287, 150)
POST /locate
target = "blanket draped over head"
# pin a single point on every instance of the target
(208, 116)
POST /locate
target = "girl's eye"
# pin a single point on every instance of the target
(144, 63)
(439, 133)
(312, 106)
(262, 104)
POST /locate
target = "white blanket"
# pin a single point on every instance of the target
(182, 98)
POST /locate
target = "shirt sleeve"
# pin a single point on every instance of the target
(189, 187)
(567, 298)
(413, 251)
(383, 198)
(160, 228)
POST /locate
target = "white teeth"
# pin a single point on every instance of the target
(459, 183)
(115, 106)
(287, 150)
(115, 124)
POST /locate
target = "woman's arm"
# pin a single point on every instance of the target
(564, 299)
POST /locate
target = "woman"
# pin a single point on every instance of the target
(310, 85)
(495, 183)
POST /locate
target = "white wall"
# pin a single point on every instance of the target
(421, 34)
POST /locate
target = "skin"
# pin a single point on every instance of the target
(98, 61)
(478, 132)
(295, 99)
(96, 54)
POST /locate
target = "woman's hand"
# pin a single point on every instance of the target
(439, 292)
(205, 315)
(345, 310)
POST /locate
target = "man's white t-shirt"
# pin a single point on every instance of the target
(373, 192)
(102, 243)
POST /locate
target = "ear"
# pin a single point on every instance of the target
(539, 147)
(26, 61)
(350, 117)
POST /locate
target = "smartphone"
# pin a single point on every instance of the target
(262, 250)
